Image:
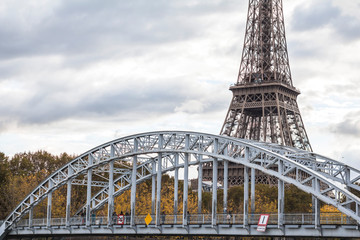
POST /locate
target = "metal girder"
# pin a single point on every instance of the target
(293, 231)
(199, 144)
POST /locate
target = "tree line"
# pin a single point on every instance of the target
(20, 174)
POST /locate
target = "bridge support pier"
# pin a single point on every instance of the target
(214, 185)
(153, 187)
(133, 185)
(88, 190)
(281, 196)
(348, 182)
(68, 197)
(226, 181)
(176, 187)
(316, 205)
(214, 192)
(111, 194)
(31, 213)
(186, 217)
(158, 183)
(246, 197)
(252, 194)
(246, 190)
(185, 192)
(48, 216)
(200, 177)
(316, 202)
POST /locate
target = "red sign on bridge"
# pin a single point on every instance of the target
(263, 221)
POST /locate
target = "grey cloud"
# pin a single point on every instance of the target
(106, 27)
(301, 49)
(348, 27)
(315, 15)
(7, 70)
(351, 89)
(350, 126)
(323, 13)
(87, 31)
(51, 104)
(351, 157)
(42, 108)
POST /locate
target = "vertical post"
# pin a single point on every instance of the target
(186, 182)
(88, 190)
(158, 187)
(200, 177)
(347, 176)
(252, 193)
(48, 216)
(246, 196)
(133, 185)
(246, 190)
(316, 204)
(153, 187)
(281, 194)
(226, 181)
(68, 196)
(31, 212)
(176, 187)
(347, 182)
(226, 176)
(214, 184)
(111, 194)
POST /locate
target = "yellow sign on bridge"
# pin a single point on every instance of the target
(148, 219)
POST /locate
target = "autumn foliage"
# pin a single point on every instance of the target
(24, 171)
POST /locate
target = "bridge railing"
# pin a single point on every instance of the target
(206, 219)
(303, 219)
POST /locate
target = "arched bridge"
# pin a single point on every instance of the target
(124, 163)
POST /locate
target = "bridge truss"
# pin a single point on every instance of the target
(124, 163)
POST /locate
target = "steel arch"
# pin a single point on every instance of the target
(329, 168)
(299, 167)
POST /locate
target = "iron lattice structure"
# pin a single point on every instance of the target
(264, 106)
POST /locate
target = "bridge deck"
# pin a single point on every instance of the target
(193, 219)
(343, 231)
(332, 225)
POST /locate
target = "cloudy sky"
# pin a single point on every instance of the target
(75, 74)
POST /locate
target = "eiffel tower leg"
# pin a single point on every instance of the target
(279, 121)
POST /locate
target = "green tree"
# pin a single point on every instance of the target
(4, 180)
(206, 202)
(235, 199)
(297, 201)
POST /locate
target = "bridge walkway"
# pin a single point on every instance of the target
(332, 225)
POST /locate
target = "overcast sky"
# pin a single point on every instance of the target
(75, 74)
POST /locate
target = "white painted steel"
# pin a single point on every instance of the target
(298, 167)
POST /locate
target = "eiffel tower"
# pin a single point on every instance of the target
(264, 106)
